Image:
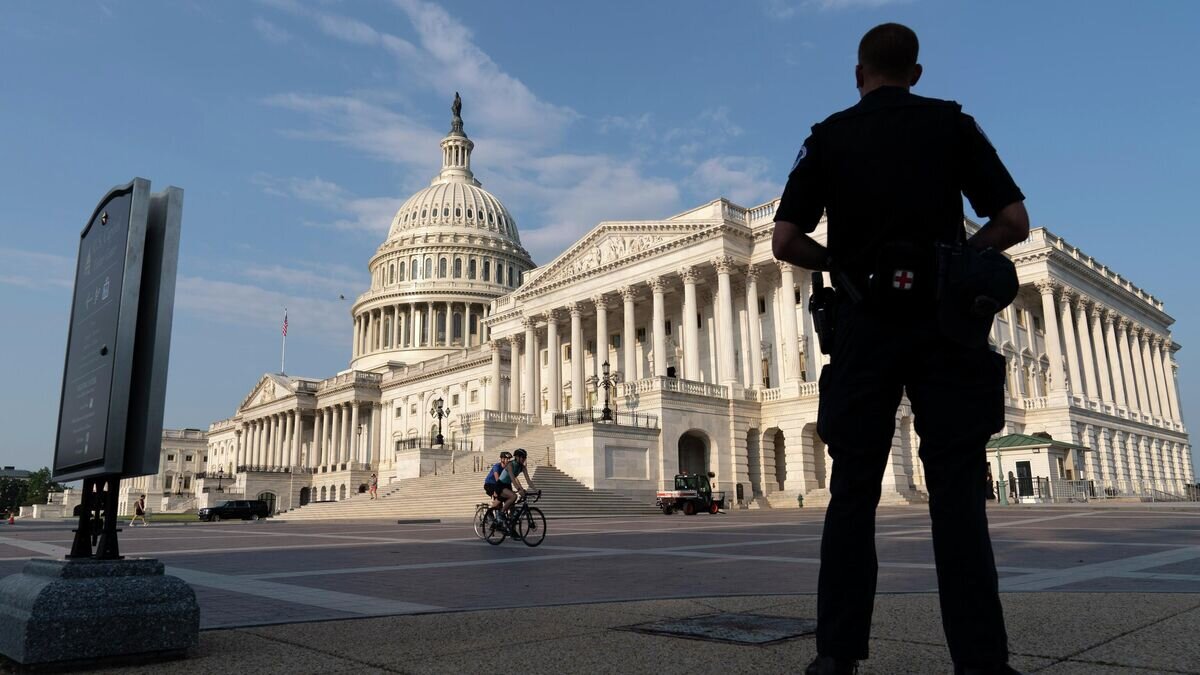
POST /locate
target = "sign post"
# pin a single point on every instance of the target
(109, 428)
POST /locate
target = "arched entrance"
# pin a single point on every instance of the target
(780, 458)
(693, 452)
(304, 496)
(269, 498)
(324, 493)
(754, 463)
(343, 492)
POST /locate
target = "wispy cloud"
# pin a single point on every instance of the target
(242, 304)
(271, 32)
(786, 9)
(35, 270)
(742, 179)
(351, 213)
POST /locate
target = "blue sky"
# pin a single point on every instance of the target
(297, 128)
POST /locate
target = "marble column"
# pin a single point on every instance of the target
(493, 402)
(601, 304)
(449, 337)
(374, 449)
(553, 364)
(318, 444)
(790, 349)
(432, 316)
(724, 265)
(1088, 360)
(1046, 289)
(629, 334)
(1144, 340)
(531, 359)
(466, 339)
(1114, 359)
(577, 356)
(335, 435)
(1160, 376)
(756, 375)
(658, 287)
(356, 436)
(1076, 379)
(297, 435)
(1103, 357)
(516, 343)
(691, 334)
(1172, 382)
(347, 432)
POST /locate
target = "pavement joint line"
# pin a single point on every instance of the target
(310, 647)
(346, 602)
(1041, 581)
(1057, 542)
(1071, 657)
(422, 566)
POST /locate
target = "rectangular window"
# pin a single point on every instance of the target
(474, 395)
(591, 346)
(1021, 319)
(412, 409)
(187, 482)
(699, 320)
(762, 305)
(615, 340)
(566, 352)
(668, 327)
(454, 400)
(797, 298)
(167, 482)
(187, 458)
(1037, 324)
(170, 458)
(399, 412)
(545, 360)
(641, 335)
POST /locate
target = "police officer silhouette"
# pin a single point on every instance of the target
(889, 174)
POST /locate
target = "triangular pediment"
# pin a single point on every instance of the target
(269, 388)
(613, 245)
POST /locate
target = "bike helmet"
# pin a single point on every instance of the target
(520, 452)
(505, 454)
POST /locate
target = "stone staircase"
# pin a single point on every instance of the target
(455, 495)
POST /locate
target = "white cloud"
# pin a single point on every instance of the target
(326, 321)
(358, 214)
(36, 270)
(271, 32)
(786, 9)
(744, 180)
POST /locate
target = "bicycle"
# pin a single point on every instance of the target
(526, 523)
(481, 519)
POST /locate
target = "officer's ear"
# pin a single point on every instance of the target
(916, 75)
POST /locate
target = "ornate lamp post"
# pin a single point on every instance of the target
(1001, 483)
(607, 382)
(440, 413)
(220, 477)
(357, 440)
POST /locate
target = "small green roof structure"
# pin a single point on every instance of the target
(1027, 441)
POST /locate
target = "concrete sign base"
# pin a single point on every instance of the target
(64, 611)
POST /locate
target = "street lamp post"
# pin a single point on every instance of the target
(606, 381)
(220, 477)
(357, 441)
(440, 413)
(1003, 496)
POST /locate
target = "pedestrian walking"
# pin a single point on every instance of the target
(1012, 486)
(139, 511)
(912, 304)
(374, 485)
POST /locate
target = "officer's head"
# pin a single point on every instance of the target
(887, 56)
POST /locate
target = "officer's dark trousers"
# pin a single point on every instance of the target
(957, 401)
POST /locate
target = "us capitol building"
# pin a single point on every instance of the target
(712, 365)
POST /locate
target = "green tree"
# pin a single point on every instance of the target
(38, 487)
(12, 491)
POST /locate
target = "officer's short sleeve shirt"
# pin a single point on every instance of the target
(803, 197)
(985, 181)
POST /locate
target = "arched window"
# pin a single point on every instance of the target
(458, 268)
(489, 218)
(400, 276)
(391, 274)
(442, 268)
(510, 277)
(457, 326)
(469, 215)
(487, 270)
(429, 268)
(457, 212)
(422, 215)
(445, 211)
(416, 268)
(471, 269)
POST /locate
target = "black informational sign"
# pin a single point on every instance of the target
(114, 378)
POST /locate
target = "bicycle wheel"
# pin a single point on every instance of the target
(492, 533)
(480, 513)
(532, 527)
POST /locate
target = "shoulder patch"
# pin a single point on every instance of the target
(985, 136)
(800, 156)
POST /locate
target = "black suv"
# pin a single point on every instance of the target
(241, 509)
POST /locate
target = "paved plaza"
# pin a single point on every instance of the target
(1085, 589)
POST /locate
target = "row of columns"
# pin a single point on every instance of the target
(1108, 358)
(271, 441)
(409, 326)
(1129, 457)
(526, 347)
(275, 440)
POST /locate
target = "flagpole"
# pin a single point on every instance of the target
(283, 350)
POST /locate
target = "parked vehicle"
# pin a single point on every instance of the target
(241, 509)
(692, 494)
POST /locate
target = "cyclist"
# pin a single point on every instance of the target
(491, 484)
(509, 479)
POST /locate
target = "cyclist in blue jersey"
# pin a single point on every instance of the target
(491, 484)
(509, 480)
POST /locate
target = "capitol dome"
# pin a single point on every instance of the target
(452, 249)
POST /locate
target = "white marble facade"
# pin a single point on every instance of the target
(708, 339)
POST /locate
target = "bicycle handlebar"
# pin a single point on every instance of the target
(537, 495)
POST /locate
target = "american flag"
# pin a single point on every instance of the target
(285, 323)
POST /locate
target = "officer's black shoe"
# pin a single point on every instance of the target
(1002, 669)
(827, 665)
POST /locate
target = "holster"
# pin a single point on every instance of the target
(823, 305)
